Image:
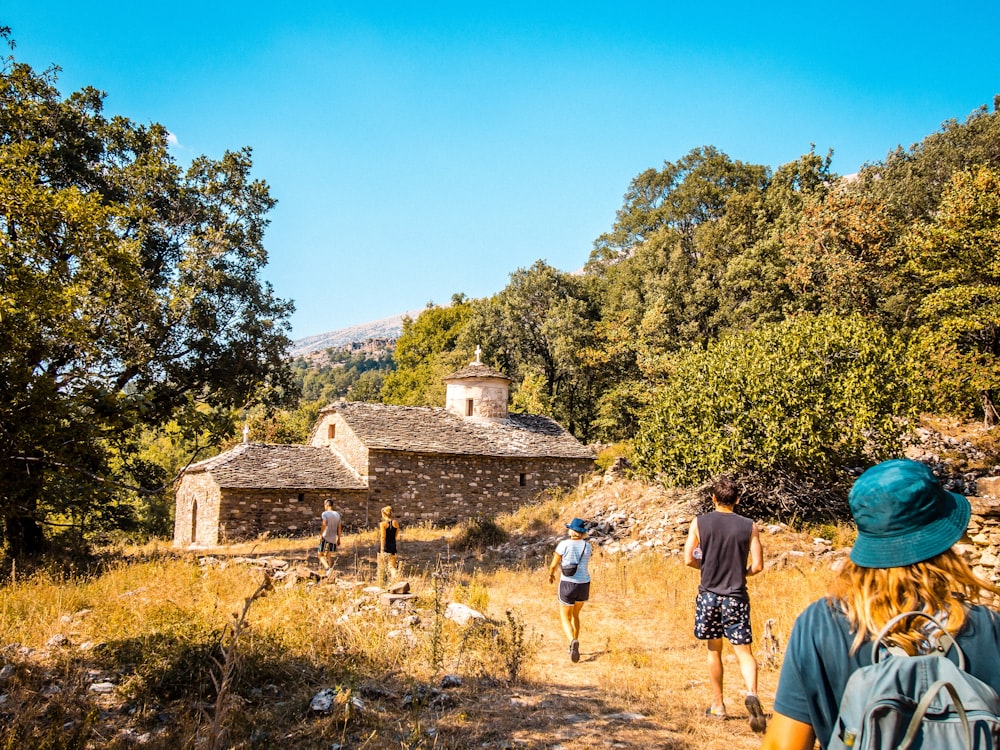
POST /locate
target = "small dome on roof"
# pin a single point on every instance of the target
(478, 392)
(476, 369)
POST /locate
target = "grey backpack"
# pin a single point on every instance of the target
(909, 702)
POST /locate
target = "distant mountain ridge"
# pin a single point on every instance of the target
(386, 328)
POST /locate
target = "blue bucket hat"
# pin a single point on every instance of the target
(904, 515)
(577, 525)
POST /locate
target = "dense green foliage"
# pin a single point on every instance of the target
(786, 324)
(808, 395)
(425, 353)
(341, 374)
(130, 298)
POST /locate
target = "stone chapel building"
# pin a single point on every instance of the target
(431, 464)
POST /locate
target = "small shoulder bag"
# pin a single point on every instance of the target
(569, 569)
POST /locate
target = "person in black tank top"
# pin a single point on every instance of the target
(388, 530)
(725, 547)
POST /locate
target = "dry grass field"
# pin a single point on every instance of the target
(169, 650)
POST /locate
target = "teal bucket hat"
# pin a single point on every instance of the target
(904, 515)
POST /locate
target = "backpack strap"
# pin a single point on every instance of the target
(921, 709)
(945, 641)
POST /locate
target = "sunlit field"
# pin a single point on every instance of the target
(165, 649)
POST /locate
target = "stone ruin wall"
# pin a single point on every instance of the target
(984, 530)
(447, 489)
(245, 514)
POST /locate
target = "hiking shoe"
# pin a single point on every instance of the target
(758, 722)
(713, 714)
(574, 651)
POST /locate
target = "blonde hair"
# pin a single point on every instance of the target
(943, 586)
(387, 511)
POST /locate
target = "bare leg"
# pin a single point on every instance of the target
(566, 615)
(748, 666)
(575, 620)
(570, 616)
(715, 672)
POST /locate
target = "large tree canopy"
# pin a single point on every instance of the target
(130, 295)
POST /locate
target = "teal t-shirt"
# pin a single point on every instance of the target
(818, 662)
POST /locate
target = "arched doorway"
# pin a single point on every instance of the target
(194, 520)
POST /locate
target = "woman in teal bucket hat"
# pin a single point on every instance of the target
(902, 560)
(570, 561)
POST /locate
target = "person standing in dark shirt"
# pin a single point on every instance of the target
(388, 530)
(726, 548)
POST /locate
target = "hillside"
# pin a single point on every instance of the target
(386, 328)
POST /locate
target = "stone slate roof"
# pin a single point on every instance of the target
(476, 370)
(265, 466)
(421, 429)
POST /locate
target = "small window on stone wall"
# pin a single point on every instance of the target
(302, 496)
(331, 431)
(468, 407)
(522, 479)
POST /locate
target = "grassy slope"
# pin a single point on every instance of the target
(152, 626)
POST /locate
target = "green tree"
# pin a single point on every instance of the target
(337, 374)
(535, 331)
(708, 236)
(683, 196)
(910, 182)
(807, 397)
(955, 350)
(129, 297)
(666, 258)
(426, 352)
(283, 426)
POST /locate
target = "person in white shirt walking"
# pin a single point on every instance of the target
(329, 535)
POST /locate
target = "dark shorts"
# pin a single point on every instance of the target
(717, 616)
(325, 546)
(571, 592)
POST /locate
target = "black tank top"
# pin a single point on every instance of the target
(390, 538)
(725, 544)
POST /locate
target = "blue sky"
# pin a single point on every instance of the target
(423, 149)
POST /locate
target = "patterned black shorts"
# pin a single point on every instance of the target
(717, 616)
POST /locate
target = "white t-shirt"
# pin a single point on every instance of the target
(332, 519)
(575, 551)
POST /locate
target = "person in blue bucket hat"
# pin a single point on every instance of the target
(571, 560)
(902, 560)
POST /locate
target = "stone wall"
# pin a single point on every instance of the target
(446, 489)
(245, 514)
(344, 442)
(984, 530)
(196, 515)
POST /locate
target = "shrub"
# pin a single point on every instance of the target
(481, 532)
(797, 401)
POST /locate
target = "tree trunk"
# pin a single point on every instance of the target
(990, 416)
(21, 530)
(24, 536)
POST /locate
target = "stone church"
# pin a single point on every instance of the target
(431, 464)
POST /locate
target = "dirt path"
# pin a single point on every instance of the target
(603, 701)
(632, 688)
